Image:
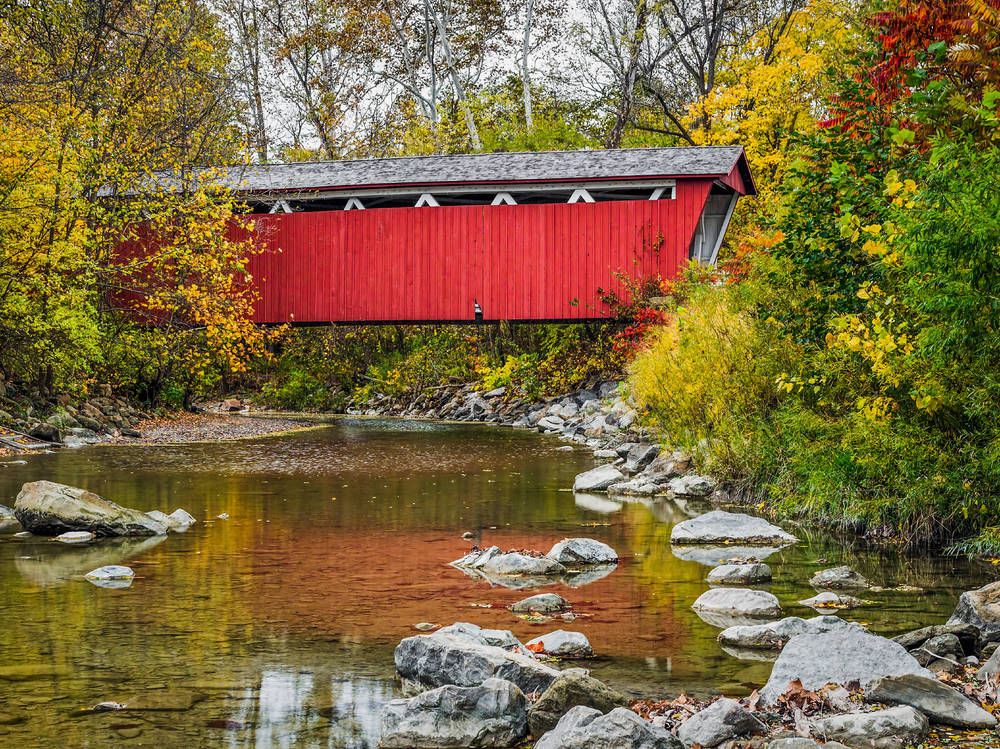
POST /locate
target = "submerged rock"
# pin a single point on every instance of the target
(492, 714)
(937, 701)
(562, 643)
(729, 606)
(720, 526)
(894, 728)
(586, 728)
(47, 508)
(111, 576)
(980, 608)
(724, 719)
(447, 658)
(837, 658)
(579, 552)
(838, 577)
(774, 635)
(543, 603)
(740, 574)
(573, 687)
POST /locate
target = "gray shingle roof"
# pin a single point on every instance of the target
(539, 166)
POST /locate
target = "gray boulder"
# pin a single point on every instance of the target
(939, 702)
(967, 634)
(692, 486)
(45, 432)
(724, 719)
(46, 508)
(980, 608)
(597, 479)
(725, 607)
(543, 603)
(477, 559)
(719, 526)
(553, 423)
(516, 563)
(740, 574)
(586, 728)
(573, 687)
(990, 669)
(838, 577)
(774, 635)
(800, 742)
(837, 658)
(639, 457)
(894, 728)
(579, 552)
(446, 658)
(492, 714)
(500, 638)
(564, 644)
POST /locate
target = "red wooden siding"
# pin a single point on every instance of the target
(523, 262)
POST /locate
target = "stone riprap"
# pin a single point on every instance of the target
(837, 658)
(46, 508)
(720, 526)
(492, 714)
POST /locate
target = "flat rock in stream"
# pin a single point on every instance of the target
(586, 728)
(840, 578)
(720, 526)
(516, 563)
(837, 658)
(563, 644)
(939, 702)
(831, 600)
(448, 658)
(582, 552)
(726, 607)
(543, 603)
(597, 479)
(740, 574)
(491, 714)
(774, 635)
(48, 509)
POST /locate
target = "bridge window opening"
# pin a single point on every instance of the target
(580, 196)
(353, 204)
(712, 224)
(426, 199)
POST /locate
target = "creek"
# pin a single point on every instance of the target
(275, 627)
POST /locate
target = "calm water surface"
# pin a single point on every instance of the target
(276, 627)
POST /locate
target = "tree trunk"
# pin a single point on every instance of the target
(525, 70)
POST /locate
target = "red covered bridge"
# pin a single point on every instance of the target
(504, 236)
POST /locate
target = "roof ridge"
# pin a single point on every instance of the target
(489, 153)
